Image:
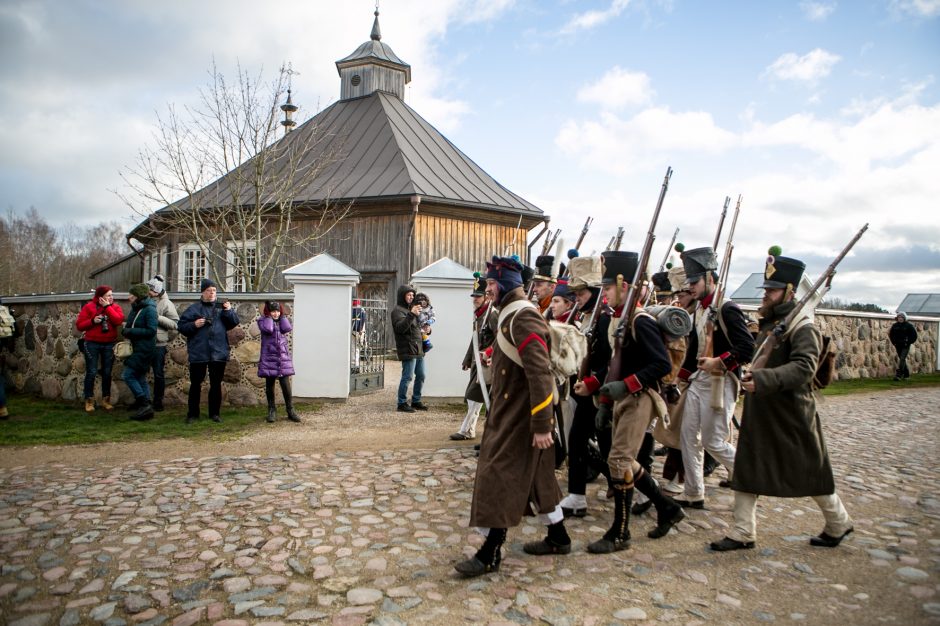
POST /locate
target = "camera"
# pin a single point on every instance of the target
(104, 323)
(208, 321)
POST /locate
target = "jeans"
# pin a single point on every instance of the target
(137, 383)
(3, 390)
(159, 380)
(903, 371)
(94, 353)
(411, 368)
(197, 374)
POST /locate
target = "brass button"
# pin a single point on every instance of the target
(503, 372)
(505, 395)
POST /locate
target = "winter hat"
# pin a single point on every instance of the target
(563, 291)
(156, 284)
(902, 315)
(101, 290)
(206, 283)
(271, 305)
(505, 270)
(140, 291)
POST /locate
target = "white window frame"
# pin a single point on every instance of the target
(233, 282)
(181, 279)
(156, 263)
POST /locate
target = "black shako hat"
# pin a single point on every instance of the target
(662, 284)
(479, 285)
(543, 268)
(619, 262)
(782, 272)
(697, 262)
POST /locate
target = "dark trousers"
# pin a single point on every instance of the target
(159, 379)
(672, 466)
(96, 353)
(903, 371)
(645, 456)
(197, 374)
(269, 389)
(582, 429)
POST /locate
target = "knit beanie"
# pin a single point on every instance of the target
(206, 283)
(156, 284)
(269, 306)
(140, 291)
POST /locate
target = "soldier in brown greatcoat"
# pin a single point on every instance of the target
(516, 471)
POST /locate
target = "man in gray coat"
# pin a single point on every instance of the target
(167, 317)
(781, 449)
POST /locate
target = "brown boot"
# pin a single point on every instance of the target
(89, 405)
(106, 403)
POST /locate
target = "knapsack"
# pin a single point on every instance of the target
(567, 346)
(826, 365)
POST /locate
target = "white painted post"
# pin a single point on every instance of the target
(448, 285)
(322, 326)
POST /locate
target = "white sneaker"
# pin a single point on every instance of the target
(574, 501)
(673, 487)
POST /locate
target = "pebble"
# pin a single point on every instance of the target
(633, 613)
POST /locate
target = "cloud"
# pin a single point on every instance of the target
(917, 8)
(485, 10)
(810, 67)
(592, 19)
(618, 88)
(817, 11)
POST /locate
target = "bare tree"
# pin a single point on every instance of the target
(226, 183)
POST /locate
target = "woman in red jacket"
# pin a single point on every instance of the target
(99, 320)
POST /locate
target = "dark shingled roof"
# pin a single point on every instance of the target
(389, 152)
(927, 304)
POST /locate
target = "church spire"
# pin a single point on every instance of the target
(376, 31)
(373, 67)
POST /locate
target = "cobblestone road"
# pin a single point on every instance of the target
(371, 537)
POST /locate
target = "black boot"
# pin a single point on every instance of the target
(668, 512)
(269, 395)
(618, 537)
(556, 541)
(487, 558)
(288, 401)
(145, 412)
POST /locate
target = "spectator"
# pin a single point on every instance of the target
(7, 330)
(902, 335)
(425, 319)
(167, 317)
(141, 330)
(405, 323)
(358, 329)
(275, 362)
(99, 320)
(205, 325)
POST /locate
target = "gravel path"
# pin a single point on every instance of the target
(358, 515)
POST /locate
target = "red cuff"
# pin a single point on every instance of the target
(489, 352)
(605, 400)
(592, 384)
(684, 374)
(730, 362)
(633, 383)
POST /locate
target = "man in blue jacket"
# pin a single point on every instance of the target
(205, 324)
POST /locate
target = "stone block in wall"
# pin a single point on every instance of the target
(78, 363)
(42, 331)
(47, 365)
(179, 356)
(51, 388)
(19, 381)
(120, 392)
(246, 311)
(256, 381)
(864, 332)
(253, 331)
(28, 336)
(42, 312)
(173, 397)
(23, 364)
(235, 336)
(240, 396)
(248, 352)
(233, 372)
(32, 385)
(58, 349)
(174, 372)
(54, 331)
(63, 367)
(72, 387)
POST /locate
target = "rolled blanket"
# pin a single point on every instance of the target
(674, 321)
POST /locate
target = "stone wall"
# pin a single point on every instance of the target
(45, 359)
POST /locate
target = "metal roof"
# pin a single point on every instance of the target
(921, 304)
(387, 151)
(751, 292)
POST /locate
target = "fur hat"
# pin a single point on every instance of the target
(156, 284)
(140, 291)
(585, 271)
(619, 263)
(677, 279)
(505, 270)
(206, 283)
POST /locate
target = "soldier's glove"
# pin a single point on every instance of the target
(616, 390)
(604, 418)
(671, 394)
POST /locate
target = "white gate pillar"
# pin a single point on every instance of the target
(322, 326)
(448, 285)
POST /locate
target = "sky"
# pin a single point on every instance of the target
(823, 115)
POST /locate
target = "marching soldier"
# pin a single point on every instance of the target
(484, 325)
(643, 361)
(516, 471)
(705, 427)
(543, 285)
(781, 448)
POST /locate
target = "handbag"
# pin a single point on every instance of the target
(125, 348)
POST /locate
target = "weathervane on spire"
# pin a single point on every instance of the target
(289, 107)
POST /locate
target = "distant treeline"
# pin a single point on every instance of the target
(842, 305)
(39, 258)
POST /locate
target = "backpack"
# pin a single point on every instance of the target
(7, 323)
(567, 346)
(826, 364)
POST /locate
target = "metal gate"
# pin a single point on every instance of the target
(368, 345)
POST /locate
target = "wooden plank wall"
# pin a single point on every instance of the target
(471, 244)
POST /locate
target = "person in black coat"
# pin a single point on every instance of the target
(407, 327)
(902, 335)
(141, 330)
(205, 325)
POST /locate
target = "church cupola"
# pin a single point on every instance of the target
(373, 67)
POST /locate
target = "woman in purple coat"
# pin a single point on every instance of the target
(275, 362)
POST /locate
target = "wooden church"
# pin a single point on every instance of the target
(414, 197)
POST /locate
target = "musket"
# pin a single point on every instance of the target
(512, 243)
(619, 238)
(610, 244)
(633, 291)
(577, 247)
(550, 242)
(475, 339)
(776, 335)
(537, 237)
(662, 266)
(721, 222)
(717, 390)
